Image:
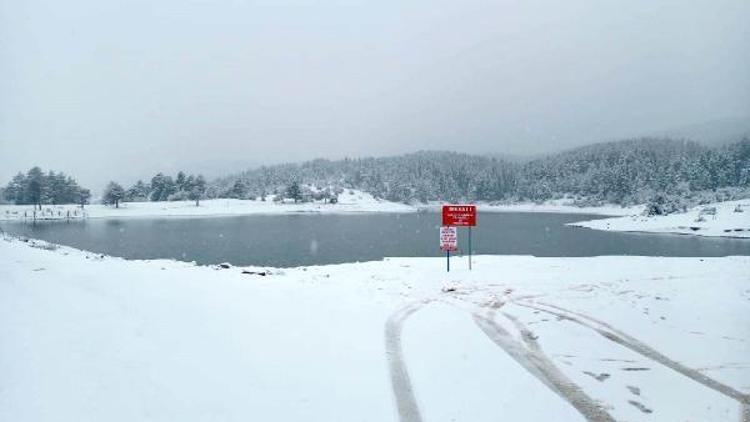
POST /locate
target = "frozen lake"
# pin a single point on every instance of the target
(309, 239)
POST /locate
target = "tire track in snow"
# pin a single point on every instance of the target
(619, 337)
(540, 366)
(403, 392)
(530, 356)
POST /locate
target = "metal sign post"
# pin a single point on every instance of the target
(462, 216)
(469, 248)
(448, 243)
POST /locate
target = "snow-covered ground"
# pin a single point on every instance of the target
(727, 220)
(350, 201)
(562, 206)
(90, 337)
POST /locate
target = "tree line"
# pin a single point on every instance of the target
(161, 188)
(38, 188)
(668, 173)
(625, 172)
(35, 187)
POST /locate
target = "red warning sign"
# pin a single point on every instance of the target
(460, 215)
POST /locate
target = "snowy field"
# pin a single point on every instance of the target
(730, 219)
(85, 337)
(350, 201)
(561, 206)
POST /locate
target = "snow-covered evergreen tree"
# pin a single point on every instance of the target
(113, 194)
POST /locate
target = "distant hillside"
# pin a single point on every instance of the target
(625, 172)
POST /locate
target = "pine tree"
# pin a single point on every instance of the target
(83, 197)
(14, 192)
(181, 182)
(294, 191)
(238, 191)
(197, 188)
(162, 187)
(113, 194)
(140, 191)
(34, 189)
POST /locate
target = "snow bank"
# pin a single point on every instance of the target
(350, 201)
(726, 220)
(561, 206)
(91, 337)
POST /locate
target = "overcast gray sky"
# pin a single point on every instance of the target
(122, 89)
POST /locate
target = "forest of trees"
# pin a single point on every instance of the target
(625, 172)
(36, 187)
(165, 188)
(668, 173)
(632, 172)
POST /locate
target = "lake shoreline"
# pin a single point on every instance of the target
(237, 207)
(622, 219)
(730, 219)
(291, 240)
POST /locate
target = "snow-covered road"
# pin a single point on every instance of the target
(86, 337)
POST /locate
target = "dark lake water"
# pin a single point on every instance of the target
(292, 240)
